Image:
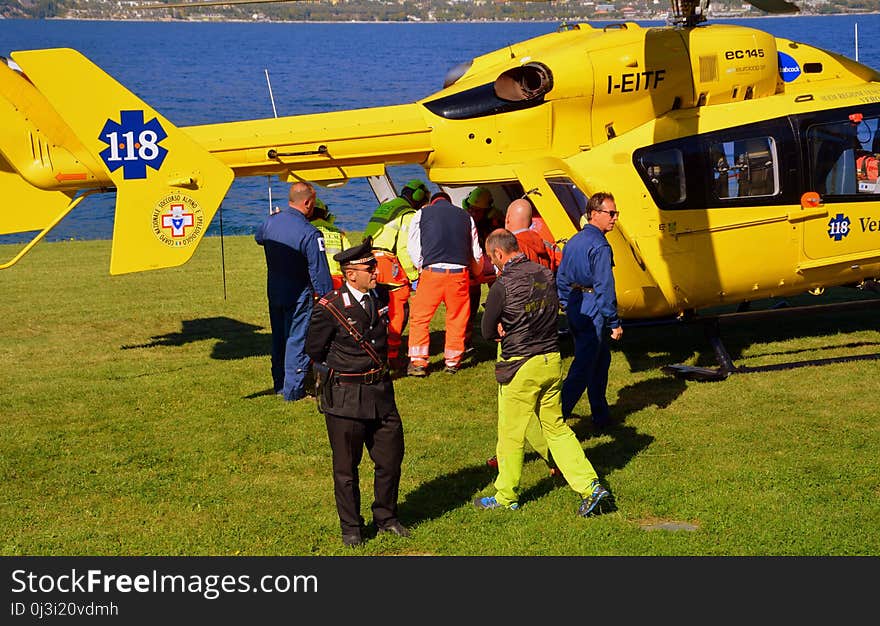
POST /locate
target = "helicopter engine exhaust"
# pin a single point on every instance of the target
(527, 82)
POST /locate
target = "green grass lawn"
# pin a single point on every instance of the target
(136, 418)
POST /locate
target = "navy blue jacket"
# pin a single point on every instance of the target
(586, 263)
(295, 258)
(445, 231)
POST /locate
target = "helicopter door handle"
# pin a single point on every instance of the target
(811, 206)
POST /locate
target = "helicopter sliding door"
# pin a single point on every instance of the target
(842, 153)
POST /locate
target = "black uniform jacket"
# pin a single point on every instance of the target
(329, 343)
(523, 300)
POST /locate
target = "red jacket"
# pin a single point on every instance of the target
(538, 250)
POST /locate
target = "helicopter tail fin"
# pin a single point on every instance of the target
(168, 187)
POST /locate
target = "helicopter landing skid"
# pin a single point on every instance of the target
(726, 366)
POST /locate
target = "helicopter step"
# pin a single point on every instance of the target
(712, 329)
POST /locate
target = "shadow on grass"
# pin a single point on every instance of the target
(235, 339)
(444, 493)
(648, 347)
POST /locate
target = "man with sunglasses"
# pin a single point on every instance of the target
(348, 344)
(585, 284)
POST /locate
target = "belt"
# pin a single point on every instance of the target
(361, 378)
(446, 270)
(583, 288)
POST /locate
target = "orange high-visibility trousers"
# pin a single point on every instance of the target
(392, 277)
(436, 286)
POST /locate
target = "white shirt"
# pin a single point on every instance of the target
(358, 294)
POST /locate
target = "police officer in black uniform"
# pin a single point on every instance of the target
(347, 342)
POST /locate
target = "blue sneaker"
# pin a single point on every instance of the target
(590, 505)
(489, 502)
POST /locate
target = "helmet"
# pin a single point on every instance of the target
(320, 211)
(419, 191)
(478, 198)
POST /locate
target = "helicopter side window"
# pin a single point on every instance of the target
(833, 157)
(845, 156)
(744, 168)
(664, 169)
(570, 197)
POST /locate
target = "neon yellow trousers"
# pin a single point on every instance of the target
(530, 405)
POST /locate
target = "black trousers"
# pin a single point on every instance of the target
(383, 439)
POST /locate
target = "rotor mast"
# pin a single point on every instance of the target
(689, 13)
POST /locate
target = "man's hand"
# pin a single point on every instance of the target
(501, 331)
(617, 333)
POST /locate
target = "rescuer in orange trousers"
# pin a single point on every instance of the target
(443, 244)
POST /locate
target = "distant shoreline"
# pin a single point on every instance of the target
(710, 20)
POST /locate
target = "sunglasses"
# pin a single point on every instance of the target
(611, 214)
(370, 267)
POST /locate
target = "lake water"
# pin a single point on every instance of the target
(200, 73)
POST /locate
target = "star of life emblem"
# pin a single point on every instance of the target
(838, 227)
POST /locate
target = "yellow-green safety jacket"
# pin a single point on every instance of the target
(389, 220)
(335, 241)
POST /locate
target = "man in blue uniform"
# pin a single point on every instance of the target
(585, 284)
(297, 273)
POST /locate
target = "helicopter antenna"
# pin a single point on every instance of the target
(275, 113)
(857, 41)
(222, 252)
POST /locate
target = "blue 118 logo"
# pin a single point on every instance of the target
(133, 144)
(838, 227)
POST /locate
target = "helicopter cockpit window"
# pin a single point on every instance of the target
(845, 156)
(664, 169)
(744, 168)
(570, 197)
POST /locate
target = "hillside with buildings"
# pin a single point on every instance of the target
(403, 10)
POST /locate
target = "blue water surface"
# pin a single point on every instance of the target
(201, 73)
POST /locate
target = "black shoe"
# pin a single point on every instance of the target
(353, 539)
(416, 370)
(395, 527)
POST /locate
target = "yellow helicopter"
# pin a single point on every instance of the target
(745, 165)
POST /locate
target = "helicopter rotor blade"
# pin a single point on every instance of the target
(774, 6)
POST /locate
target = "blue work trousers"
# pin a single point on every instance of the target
(589, 368)
(289, 360)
